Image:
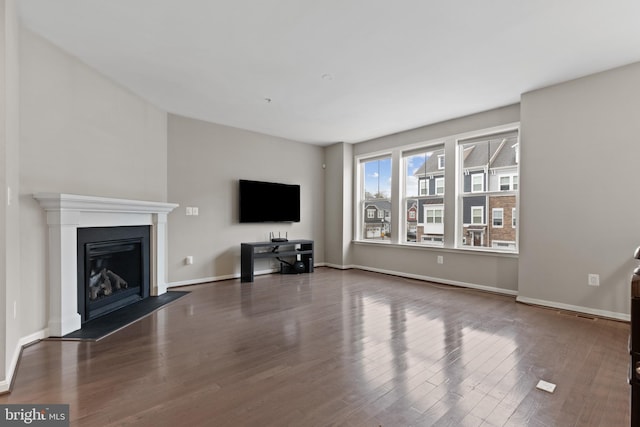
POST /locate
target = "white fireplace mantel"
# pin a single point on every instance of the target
(68, 212)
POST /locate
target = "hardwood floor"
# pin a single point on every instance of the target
(343, 348)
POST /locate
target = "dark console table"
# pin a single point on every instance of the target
(249, 252)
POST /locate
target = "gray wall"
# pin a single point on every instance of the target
(9, 177)
(338, 204)
(483, 270)
(580, 205)
(80, 134)
(205, 163)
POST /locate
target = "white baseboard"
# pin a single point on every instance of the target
(439, 280)
(359, 267)
(5, 384)
(218, 278)
(337, 266)
(231, 276)
(579, 309)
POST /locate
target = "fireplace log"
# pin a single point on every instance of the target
(93, 291)
(116, 280)
(106, 283)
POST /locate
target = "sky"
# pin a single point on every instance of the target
(378, 175)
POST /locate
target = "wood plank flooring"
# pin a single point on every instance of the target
(339, 348)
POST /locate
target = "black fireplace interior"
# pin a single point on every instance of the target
(113, 268)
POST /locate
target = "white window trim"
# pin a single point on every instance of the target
(512, 181)
(436, 186)
(426, 187)
(455, 209)
(481, 175)
(493, 217)
(441, 162)
(481, 215)
(513, 218)
(370, 214)
(434, 209)
(359, 192)
(431, 239)
(503, 244)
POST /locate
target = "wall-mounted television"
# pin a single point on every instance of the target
(269, 202)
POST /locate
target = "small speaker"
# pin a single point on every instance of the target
(299, 267)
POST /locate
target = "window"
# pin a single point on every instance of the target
(434, 216)
(505, 183)
(508, 182)
(477, 214)
(375, 199)
(482, 201)
(477, 182)
(503, 245)
(424, 189)
(488, 191)
(439, 186)
(497, 214)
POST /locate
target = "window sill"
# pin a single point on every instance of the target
(438, 248)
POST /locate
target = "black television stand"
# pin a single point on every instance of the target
(249, 252)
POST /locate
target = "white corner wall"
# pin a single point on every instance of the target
(338, 204)
(206, 161)
(579, 210)
(9, 178)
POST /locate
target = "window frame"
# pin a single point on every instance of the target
(440, 179)
(362, 225)
(426, 187)
(480, 175)
(439, 208)
(482, 221)
(397, 222)
(493, 163)
(513, 182)
(427, 172)
(493, 217)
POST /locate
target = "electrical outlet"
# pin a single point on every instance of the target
(188, 260)
(593, 280)
(440, 259)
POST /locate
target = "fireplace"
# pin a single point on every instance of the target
(69, 213)
(113, 269)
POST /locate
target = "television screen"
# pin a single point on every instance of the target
(269, 202)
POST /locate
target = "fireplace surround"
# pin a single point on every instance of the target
(66, 213)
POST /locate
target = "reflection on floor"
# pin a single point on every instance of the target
(347, 348)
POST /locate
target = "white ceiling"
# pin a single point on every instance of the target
(338, 70)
